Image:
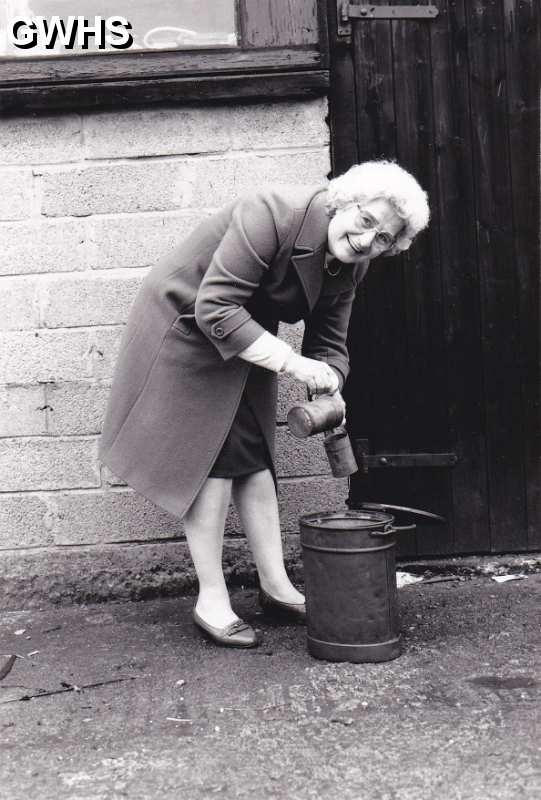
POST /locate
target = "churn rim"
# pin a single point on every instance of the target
(311, 519)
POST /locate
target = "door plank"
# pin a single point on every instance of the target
(460, 276)
(522, 21)
(499, 299)
(374, 89)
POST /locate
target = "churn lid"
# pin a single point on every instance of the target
(402, 514)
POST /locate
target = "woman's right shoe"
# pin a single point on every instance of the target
(293, 612)
(237, 634)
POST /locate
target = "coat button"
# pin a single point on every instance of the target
(218, 331)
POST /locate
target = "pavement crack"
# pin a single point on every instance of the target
(68, 688)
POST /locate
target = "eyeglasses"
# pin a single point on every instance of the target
(365, 222)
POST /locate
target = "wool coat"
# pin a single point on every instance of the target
(178, 380)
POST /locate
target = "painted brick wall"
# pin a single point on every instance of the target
(88, 203)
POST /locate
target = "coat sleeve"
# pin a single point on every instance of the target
(326, 331)
(238, 266)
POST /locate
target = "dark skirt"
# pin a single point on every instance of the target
(244, 450)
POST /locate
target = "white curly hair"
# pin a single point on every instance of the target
(373, 180)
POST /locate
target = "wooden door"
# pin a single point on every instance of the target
(444, 341)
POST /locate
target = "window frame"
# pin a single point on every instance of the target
(206, 74)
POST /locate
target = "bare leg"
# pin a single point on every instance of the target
(204, 525)
(255, 498)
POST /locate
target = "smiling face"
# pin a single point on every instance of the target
(358, 232)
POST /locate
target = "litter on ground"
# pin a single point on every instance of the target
(405, 578)
(505, 578)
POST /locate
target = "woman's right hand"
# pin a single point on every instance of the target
(316, 375)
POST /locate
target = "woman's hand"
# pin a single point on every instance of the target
(316, 375)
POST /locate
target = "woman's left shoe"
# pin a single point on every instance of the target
(295, 612)
(237, 634)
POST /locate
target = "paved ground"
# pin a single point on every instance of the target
(168, 715)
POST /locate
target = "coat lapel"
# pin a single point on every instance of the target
(308, 255)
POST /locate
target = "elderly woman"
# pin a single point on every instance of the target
(191, 416)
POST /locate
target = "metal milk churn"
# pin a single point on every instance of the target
(350, 581)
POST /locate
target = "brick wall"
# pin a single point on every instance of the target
(88, 203)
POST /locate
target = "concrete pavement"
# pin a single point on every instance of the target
(168, 715)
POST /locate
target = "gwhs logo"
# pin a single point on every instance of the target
(28, 32)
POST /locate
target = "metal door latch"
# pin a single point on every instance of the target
(347, 11)
(367, 460)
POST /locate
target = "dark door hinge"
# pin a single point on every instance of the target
(348, 11)
(367, 460)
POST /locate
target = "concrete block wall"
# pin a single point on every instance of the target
(88, 203)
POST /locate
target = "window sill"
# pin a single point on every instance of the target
(43, 97)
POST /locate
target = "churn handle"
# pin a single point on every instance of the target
(401, 528)
(396, 529)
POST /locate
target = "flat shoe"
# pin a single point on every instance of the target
(237, 634)
(280, 610)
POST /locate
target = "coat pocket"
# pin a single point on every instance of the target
(185, 324)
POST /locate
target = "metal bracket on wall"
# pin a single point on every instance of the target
(367, 460)
(348, 11)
